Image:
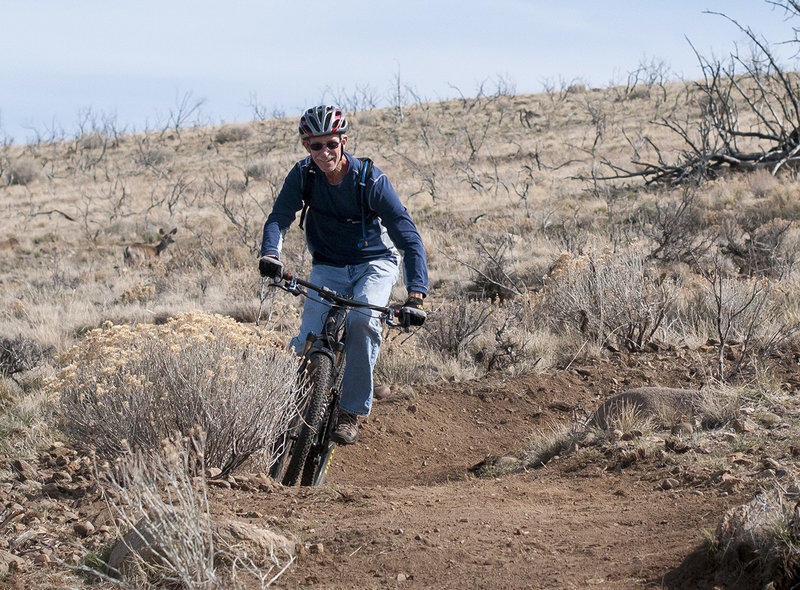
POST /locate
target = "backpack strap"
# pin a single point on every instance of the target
(308, 184)
(363, 178)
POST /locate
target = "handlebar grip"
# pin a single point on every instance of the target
(410, 316)
(270, 267)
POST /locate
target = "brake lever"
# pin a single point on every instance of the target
(393, 319)
(289, 285)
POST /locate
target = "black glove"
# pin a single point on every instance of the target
(411, 314)
(270, 267)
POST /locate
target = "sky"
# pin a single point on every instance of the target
(70, 64)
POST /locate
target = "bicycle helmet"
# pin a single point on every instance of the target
(322, 120)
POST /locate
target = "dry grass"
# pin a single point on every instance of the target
(168, 536)
(762, 536)
(550, 442)
(492, 184)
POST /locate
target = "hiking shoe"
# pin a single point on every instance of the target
(346, 431)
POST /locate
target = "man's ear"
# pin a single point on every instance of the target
(305, 143)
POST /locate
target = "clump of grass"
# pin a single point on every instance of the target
(407, 364)
(138, 294)
(550, 443)
(721, 406)
(132, 386)
(763, 536)
(26, 420)
(627, 418)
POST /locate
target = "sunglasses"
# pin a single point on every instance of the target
(331, 145)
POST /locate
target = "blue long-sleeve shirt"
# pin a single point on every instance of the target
(333, 223)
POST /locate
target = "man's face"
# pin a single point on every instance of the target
(326, 150)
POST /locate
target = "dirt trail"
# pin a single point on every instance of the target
(401, 508)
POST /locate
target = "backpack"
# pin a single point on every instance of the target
(363, 177)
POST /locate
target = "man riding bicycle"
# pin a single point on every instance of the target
(355, 225)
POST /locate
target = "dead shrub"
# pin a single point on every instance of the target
(159, 501)
(512, 345)
(20, 354)
(453, 327)
(495, 277)
(258, 170)
(23, 173)
(232, 134)
(153, 157)
(613, 300)
(748, 321)
(759, 250)
(132, 386)
(676, 227)
(93, 141)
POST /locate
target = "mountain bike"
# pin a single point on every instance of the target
(305, 450)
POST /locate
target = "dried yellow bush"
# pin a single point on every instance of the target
(126, 386)
(138, 294)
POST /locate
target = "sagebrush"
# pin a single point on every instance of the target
(130, 387)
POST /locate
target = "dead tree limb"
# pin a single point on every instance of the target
(758, 86)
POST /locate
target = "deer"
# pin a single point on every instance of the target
(9, 244)
(140, 252)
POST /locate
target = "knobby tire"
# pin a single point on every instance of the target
(321, 455)
(320, 373)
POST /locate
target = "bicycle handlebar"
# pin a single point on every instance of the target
(295, 285)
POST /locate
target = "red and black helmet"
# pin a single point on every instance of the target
(322, 120)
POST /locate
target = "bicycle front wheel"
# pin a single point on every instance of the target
(320, 375)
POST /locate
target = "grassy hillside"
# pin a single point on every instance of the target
(536, 261)
(499, 186)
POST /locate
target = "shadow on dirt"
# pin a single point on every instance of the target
(701, 572)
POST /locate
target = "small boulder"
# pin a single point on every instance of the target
(24, 470)
(83, 528)
(10, 563)
(380, 392)
(670, 483)
(744, 426)
(230, 537)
